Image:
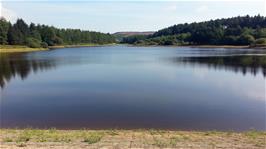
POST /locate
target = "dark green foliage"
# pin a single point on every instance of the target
(22, 27)
(133, 39)
(18, 33)
(44, 45)
(230, 40)
(260, 41)
(232, 31)
(246, 39)
(179, 39)
(48, 35)
(260, 33)
(4, 27)
(58, 40)
(33, 43)
(43, 36)
(34, 33)
(15, 37)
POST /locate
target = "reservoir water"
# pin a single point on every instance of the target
(177, 88)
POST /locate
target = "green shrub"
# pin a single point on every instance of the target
(260, 41)
(58, 41)
(33, 43)
(230, 40)
(93, 138)
(7, 139)
(246, 39)
(44, 45)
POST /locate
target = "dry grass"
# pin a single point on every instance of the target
(36, 138)
(21, 48)
(18, 48)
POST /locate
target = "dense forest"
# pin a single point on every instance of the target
(36, 36)
(243, 30)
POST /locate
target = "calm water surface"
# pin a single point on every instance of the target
(134, 87)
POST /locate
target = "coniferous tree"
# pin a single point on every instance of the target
(231, 31)
(4, 27)
(43, 36)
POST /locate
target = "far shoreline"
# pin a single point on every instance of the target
(80, 46)
(204, 46)
(24, 49)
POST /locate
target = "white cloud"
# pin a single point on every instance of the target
(202, 9)
(8, 14)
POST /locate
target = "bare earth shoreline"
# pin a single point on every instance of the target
(122, 139)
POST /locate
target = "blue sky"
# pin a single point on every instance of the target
(112, 16)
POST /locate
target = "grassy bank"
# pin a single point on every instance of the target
(18, 48)
(36, 138)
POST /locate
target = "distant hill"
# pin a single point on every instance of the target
(133, 33)
(120, 35)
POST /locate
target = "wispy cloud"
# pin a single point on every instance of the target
(8, 14)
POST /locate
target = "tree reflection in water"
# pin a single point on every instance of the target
(18, 65)
(252, 64)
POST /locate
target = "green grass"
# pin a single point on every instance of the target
(112, 132)
(7, 139)
(23, 139)
(157, 132)
(159, 142)
(53, 135)
(254, 134)
(92, 138)
(169, 141)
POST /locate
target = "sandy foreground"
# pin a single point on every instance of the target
(123, 139)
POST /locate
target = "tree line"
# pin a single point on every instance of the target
(241, 30)
(20, 33)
